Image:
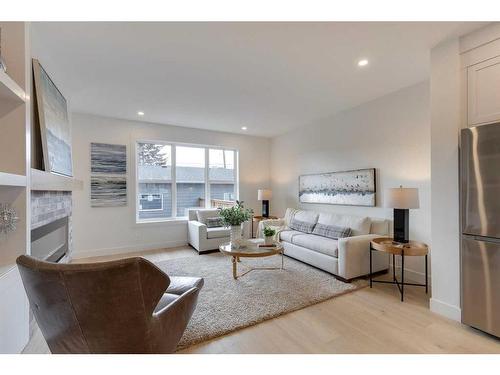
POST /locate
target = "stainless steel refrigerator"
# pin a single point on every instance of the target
(480, 224)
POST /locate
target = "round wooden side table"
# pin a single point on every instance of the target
(412, 248)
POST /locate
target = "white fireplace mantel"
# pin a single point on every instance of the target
(41, 180)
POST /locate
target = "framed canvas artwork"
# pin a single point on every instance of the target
(107, 191)
(54, 123)
(108, 159)
(353, 188)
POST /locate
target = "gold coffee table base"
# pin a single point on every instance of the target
(252, 250)
(235, 260)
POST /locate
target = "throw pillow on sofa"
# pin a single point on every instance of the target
(332, 231)
(203, 215)
(301, 226)
(214, 222)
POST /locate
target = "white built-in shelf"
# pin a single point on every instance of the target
(10, 179)
(11, 94)
(41, 180)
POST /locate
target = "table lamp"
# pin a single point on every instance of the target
(264, 195)
(401, 199)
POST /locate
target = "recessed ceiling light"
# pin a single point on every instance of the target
(140, 113)
(244, 128)
(363, 62)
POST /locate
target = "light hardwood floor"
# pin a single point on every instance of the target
(365, 321)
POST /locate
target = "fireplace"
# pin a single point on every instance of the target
(50, 242)
(51, 225)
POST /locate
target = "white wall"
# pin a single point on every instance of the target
(391, 134)
(445, 124)
(105, 230)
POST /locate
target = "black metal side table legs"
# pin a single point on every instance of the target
(395, 281)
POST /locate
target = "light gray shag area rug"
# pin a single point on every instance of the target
(225, 304)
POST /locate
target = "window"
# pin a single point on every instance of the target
(154, 177)
(221, 177)
(190, 178)
(172, 178)
(150, 202)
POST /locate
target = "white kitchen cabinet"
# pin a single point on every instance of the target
(483, 92)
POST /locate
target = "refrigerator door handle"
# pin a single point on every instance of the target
(481, 238)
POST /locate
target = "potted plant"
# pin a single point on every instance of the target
(234, 217)
(269, 234)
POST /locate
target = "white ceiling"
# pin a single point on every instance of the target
(270, 77)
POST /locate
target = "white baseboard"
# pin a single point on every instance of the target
(415, 276)
(445, 309)
(126, 249)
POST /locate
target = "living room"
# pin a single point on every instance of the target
(249, 187)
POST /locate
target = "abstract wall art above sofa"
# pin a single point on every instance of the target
(353, 188)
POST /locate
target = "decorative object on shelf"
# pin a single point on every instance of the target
(269, 234)
(401, 199)
(8, 218)
(352, 188)
(108, 158)
(3, 66)
(234, 217)
(107, 191)
(54, 123)
(264, 195)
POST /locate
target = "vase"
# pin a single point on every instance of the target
(268, 240)
(235, 236)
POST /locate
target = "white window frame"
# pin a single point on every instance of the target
(209, 181)
(173, 180)
(140, 195)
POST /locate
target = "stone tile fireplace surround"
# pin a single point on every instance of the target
(49, 206)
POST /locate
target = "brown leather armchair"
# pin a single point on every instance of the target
(123, 306)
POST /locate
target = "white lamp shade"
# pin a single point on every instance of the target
(264, 194)
(402, 198)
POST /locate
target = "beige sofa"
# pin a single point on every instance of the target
(348, 257)
(205, 239)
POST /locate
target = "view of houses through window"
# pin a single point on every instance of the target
(173, 178)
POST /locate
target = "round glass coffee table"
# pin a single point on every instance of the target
(251, 249)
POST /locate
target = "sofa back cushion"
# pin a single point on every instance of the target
(310, 217)
(359, 225)
(331, 231)
(302, 226)
(203, 214)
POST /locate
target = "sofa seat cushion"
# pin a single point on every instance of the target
(324, 245)
(217, 232)
(287, 235)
